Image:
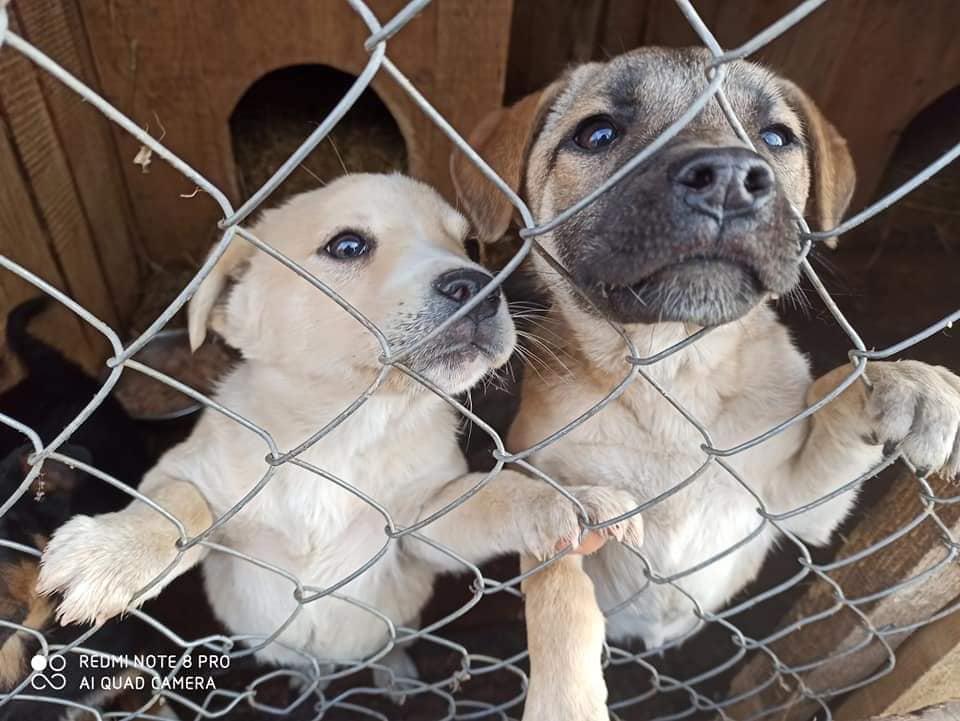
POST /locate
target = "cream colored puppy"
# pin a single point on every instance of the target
(393, 248)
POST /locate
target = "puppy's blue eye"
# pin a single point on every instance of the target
(595, 133)
(347, 245)
(777, 136)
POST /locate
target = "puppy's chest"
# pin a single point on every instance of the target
(658, 454)
(628, 444)
(352, 492)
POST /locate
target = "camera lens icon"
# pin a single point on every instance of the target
(47, 672)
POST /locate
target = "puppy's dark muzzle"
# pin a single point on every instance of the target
(723, 183)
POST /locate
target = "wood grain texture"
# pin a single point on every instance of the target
(24, 240)
(179, 68)
(918, 564)
(45, 168)
(928, 671)
(88, 148)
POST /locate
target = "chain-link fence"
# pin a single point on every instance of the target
(456, 701)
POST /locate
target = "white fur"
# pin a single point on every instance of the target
(305, 361)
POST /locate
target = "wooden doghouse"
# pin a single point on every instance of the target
(77, 210)
(180, 69)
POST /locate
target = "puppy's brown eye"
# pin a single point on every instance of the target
(777, 136)
(347, 246)
(595, 133)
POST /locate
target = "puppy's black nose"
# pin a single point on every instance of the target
(723, 182)
(463, 284)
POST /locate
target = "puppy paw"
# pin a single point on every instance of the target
(555, 522)
(914, 408)
(99, 564)
(602, 504)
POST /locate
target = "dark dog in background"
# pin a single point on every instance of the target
(51, 395)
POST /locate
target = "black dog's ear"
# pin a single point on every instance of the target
(832, 175)
(57, 478)
(503, 139)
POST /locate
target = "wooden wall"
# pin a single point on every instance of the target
(179, 68)
(78, 211)
(872, 65)
(63, 206)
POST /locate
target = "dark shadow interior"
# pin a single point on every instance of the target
(283, 107)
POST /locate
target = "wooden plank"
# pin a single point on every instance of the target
(927, 672)
(186, 66)
(149, 62)
(470, 76)
(45, 166)
(948, 711)
(91, 154)
(24, 240)
(548, 35)
(906, 558)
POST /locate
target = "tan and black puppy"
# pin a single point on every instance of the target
(701, 235)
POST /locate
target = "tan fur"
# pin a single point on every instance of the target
(831, 162)
(503, 140)
(740, 380)
(202, 304)
(564, 686)
(13, 662)
(20, 603)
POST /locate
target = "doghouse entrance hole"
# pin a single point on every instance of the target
(283, 107)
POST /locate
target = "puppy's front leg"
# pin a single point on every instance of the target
(514, 513)
(99, 564)
(565, 630)
(906, 407)
(565, 627)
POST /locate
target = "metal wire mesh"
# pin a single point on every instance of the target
(314, 672)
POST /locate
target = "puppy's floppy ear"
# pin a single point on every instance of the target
(503, 139)
(229, 268)
(832, 175)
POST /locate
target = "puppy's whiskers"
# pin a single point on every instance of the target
(532, 361)
(553, 352)
(557, 368)
(798, 300)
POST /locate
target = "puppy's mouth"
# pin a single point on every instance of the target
(465, 352)
(702, 289)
